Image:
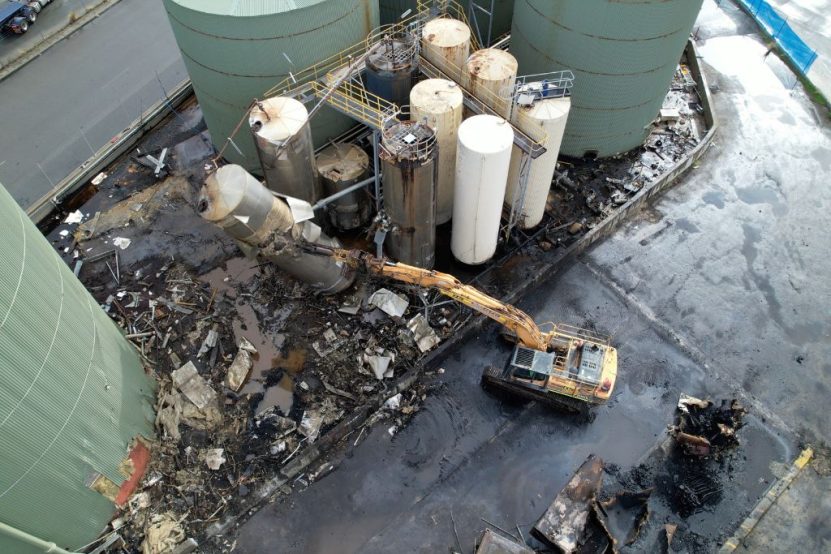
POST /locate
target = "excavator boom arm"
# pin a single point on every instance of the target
(517, 321)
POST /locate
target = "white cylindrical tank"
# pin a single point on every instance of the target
(438, 102)
(482, 162)
(446, 44)
(490, 75)
(284, 144)
(241, 206)
(551, 114)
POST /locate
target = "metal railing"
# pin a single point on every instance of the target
(555, 84)
(408, 139)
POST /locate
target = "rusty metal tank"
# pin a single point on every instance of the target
(239, 204)
(439, 103)
(490, 75)
(340, 166)
(391, 66)
(284, 145)
(408, 161)
(445, 42)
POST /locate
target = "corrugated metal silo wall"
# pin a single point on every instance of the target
(503, 11)
(73, 393)
(623, 54)
(234, 57)
(391, 10)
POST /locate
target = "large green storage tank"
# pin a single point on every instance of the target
(623, 54)
(234, 52)
(73, 395)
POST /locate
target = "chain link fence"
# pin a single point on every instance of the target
(118, 104)
(800, 54)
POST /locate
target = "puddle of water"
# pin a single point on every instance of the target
(246, 324)
(226, 278)
(280, 395)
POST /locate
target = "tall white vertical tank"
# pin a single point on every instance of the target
(551, 114)
(482, 163)
(439, 103)
(284, 145)
(446, 44)
(490, 74)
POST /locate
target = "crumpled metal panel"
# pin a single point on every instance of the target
(73, 393)
(233, 58)
(623, 54)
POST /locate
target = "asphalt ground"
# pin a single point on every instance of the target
(70, 101)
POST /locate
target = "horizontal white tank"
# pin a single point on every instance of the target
(482, 162)
(490, 75)
(439, 103)
(446, 44)
(551, 114)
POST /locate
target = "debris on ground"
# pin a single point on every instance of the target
(493, 543)
(703, 429)
(162, 534)
(241, 366)
(193, 386)
(214, 458)
(424, 335)
(388, 302)
(563, 524)
(590, 516)
(624, 515)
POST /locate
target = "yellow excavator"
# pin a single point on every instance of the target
(566, 367)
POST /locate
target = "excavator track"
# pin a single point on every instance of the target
(492, 378)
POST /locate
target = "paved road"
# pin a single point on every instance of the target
(730, 263)
(81, 92)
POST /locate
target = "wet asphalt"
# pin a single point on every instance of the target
(720, 289)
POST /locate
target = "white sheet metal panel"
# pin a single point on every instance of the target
(439, 103)
(482, 162)
(551, 114)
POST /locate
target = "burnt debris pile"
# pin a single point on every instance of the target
(704, 428)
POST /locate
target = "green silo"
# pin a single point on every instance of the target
(502, 10)
(73, 396)
(391, 10)
(623, 54)
(235, 50)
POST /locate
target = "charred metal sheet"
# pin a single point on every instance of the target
(564, 522)
(491, 543)
(625, 514)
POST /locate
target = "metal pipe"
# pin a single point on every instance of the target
(31, 540)
(329, 199)
(377, 163)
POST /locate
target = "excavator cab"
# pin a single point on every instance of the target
(578, 371)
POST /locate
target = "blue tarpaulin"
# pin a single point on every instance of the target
(777, 27)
